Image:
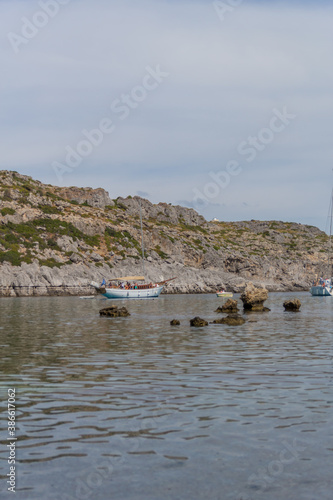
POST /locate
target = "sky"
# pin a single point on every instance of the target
(223, 106)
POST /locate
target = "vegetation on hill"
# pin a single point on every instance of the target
(59, 226)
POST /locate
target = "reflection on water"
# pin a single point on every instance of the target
(132, 408)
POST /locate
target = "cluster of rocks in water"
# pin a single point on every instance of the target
(253, 299)
(231, 320)
(114, 312)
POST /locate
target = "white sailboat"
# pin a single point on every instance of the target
(131, 287)
(324, 286)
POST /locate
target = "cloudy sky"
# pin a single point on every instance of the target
(224, 106)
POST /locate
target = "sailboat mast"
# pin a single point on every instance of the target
(330, 256)
(142, 245)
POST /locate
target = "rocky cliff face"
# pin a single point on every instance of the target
(57, 240)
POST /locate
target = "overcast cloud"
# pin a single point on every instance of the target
(201, 80)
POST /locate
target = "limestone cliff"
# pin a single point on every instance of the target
(66, 237)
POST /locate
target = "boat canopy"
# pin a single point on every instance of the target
(129, 278)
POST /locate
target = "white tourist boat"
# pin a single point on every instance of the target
(323, 287)
(130, 287)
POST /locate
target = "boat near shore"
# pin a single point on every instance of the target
(323, 287)
(130, 287)
(223, 293)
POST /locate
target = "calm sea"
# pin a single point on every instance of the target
(132, 408)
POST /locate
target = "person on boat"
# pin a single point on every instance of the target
(135, 285)
(103, 282)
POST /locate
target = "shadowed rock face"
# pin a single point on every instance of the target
(229, 307)
(174, 322)
(93, 197)
(231, 320)
(162, 211)
(198, 322)
(114, 312)
(292, 305)
(253, 298)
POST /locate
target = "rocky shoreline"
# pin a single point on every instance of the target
(33, 280)
(56, 241)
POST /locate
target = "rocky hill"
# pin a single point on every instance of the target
(57, 240)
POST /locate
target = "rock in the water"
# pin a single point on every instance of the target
(114, 312)
(174, 322)
(229, 307)
(253, 298)
(264, 309)
(198, 322)
(231, 320)
(292, 305)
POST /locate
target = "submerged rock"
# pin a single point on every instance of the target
(231, 320)
(229, 307)
(253, 298)
(292, 305)
(114, 312)
(198, 322)
(174, 322)
(264, 309)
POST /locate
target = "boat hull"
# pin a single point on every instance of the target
(146, 293)
(224, 294)
(320, 291)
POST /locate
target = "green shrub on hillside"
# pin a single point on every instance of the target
(11, 256)
(123, 238)
(7, 211)
(160, 252)
(63, 228)
(7, 196)
(188, 227)
(48, 209)
(118, 205)
(28, 233)
(50, 263)
(51, 243)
